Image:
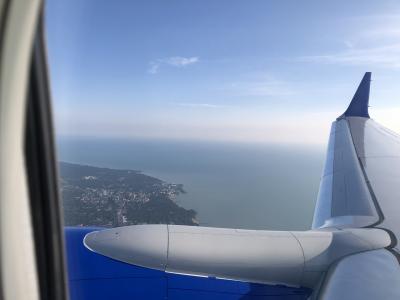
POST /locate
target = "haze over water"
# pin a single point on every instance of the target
(235, 185)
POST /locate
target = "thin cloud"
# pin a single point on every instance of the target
(199, 105)
(377, 47)
(384, 56)
(174, 61)
(153, 68)
(179, 61)
(262, 86)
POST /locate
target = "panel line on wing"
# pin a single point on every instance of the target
(367, 181)
(344, 198)
(166, 263)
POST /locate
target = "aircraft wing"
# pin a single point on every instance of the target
(350, 253)
(360, 185)
(360, 188)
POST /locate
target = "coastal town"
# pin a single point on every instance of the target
(104, 197)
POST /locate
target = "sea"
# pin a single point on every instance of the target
(228, 184)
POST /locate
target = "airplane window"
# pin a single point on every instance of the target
(210, 114)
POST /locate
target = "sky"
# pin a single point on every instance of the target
(228, 70)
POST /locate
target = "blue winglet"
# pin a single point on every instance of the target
(359, 104)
